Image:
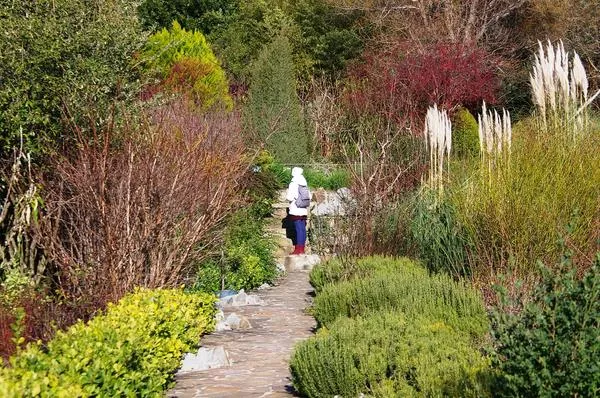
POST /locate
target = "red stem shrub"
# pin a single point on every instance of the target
(141, 206)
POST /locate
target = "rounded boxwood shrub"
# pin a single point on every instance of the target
(388, 355)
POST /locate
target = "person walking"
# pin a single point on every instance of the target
(298, 195)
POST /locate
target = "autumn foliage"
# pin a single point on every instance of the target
(400, 82)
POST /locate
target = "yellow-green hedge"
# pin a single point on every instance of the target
(131, 350)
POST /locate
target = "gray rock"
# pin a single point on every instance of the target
(221, 322)
(239, 300)
(334, 203)
(234, 321)
(264, 286)
(331, 207)
(280, 268)
(344, 194)
(221, 326)
(205, 358)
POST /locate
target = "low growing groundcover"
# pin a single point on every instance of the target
(132, 349)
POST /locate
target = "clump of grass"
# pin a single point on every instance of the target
(516, 215)
(441, 240)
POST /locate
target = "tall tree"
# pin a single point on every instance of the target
(462, 21)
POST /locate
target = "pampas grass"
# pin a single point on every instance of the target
(495, 138)
(438, 139)
(560, 89)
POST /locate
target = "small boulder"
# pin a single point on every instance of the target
(239, 300)
(205, 358)
(234, 321)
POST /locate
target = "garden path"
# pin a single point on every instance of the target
(259, 356)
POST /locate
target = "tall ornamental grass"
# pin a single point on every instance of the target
(537, 186)
(560, 89)
(495, 138)
(438, 140)
(518, 214)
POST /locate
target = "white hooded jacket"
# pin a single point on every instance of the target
(292, 192)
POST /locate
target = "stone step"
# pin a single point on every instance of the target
(301, 262)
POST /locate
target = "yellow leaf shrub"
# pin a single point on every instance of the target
(130, 350)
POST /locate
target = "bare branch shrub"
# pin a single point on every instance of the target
(139, 205)
(325, 115)
(386, 162)
(422, 21)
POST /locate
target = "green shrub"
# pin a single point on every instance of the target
(436, 297)
(253, 25)
(273, 113)
(184, 61)
(332, 180)
(441, 240)
(323, 37)
(247, 258)
(63, 53)
(201, 15)
(130, 350)
(388, 355)
(552, 347)
(335, 270)
(465, 134)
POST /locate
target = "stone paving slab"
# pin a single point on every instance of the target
(259, 355)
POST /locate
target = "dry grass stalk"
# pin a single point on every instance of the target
(560, 89)
(495, 137)
(438, 139)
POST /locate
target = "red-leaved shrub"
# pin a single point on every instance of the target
(400, 82)
(36, 317)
